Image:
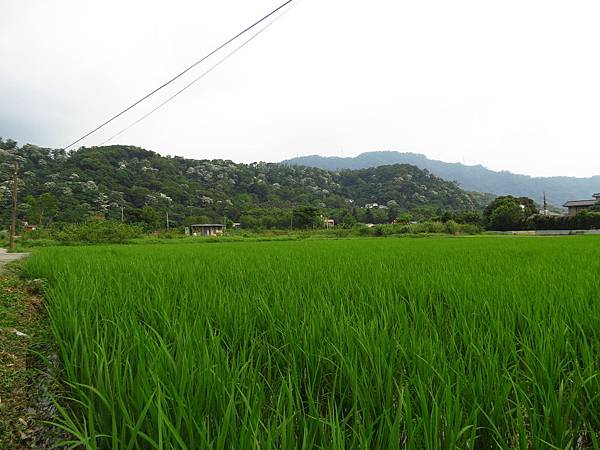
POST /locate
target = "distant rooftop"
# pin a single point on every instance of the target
(573, 203)
(208, 225)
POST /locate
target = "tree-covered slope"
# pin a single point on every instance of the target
(471, 178)
(108, 180)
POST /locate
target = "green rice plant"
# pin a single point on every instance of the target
(463, 343)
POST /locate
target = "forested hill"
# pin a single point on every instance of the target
(102, 180)
(471, 178)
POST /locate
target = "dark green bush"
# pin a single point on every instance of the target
(449, 227)
(96, 232)
(587, 220)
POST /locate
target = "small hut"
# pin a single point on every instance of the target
(207, 229)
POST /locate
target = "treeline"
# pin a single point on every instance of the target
(138, 186)
(508, 213)
(102, 232)
(586, 220)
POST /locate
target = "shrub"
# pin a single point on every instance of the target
(471, 228)
(97, 232)
(587, 220)
(363, 230)
(379, 230)
(451, 227)
(39, 233)
(171, 234)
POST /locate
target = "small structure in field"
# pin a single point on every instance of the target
(576, 206)
(328, 223)
(207, 229)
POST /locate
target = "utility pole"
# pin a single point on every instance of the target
(168, 227)
(13, 227)
(122, 213)
(545, 205)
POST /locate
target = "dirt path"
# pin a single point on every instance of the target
(8, 257)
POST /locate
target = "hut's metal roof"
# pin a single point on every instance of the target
(208, 225)
(580, 203)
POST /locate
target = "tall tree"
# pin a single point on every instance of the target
(42, 209)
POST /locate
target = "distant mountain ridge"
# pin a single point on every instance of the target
(471, 178)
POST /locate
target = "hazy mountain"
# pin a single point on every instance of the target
(471, 178)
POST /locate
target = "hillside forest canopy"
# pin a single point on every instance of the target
(141, 187)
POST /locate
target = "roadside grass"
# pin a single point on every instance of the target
(475, 343)
(25, 382)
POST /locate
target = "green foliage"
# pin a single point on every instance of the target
(144, 186)
(506, 217)
(306, 217)
(472, 217)
(42, 209)
(477, 343)
(509, 213)
(407, 186)
(593, 209)
(404, 218)
(586, 220)
(471, 178)
(22, 384)
(421, 228)
(94, 232)
(347, 218)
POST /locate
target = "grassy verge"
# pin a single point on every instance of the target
(25, 380)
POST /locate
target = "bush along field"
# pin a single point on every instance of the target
(474, 343)
(113, 232)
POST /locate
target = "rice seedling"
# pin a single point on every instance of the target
(469, 343)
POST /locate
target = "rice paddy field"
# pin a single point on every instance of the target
(448, 343)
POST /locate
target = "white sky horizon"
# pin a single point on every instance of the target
(511, 86)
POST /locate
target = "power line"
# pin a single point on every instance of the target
(221, 61)
(180, 74)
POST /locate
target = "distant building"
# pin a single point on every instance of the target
(207, 229)
(329, 223)
(548, 213)
(576, 206)
(29, 226)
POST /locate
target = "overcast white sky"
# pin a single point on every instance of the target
(512, 84)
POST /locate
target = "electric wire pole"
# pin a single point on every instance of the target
(13, 227)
